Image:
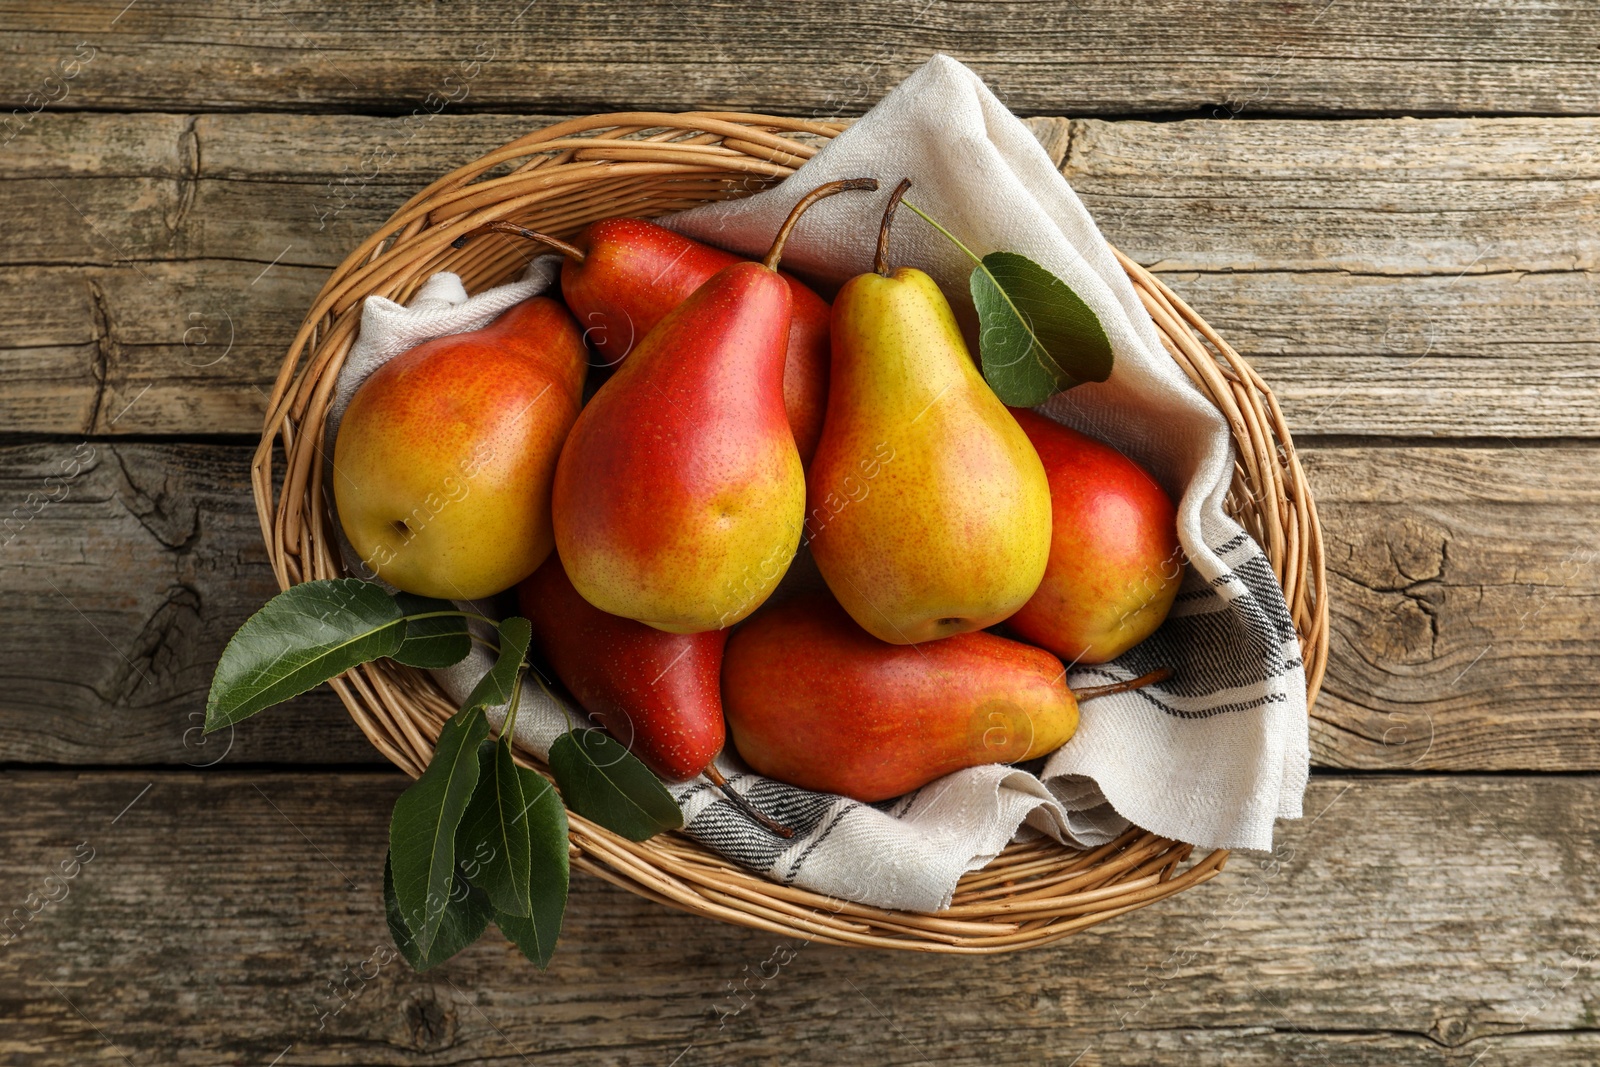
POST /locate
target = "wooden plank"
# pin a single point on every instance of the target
(124, 569)
(1374, 197)
(1463, 583)
(1396, 196)
(1399, 196)
(1389, 277)
(251, 187)
(1095, 57)
(218, 908)
(1503, 355)
(175, 348)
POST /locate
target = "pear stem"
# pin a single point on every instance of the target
(953, 238)
(880, 262)
(819, 193)
(744, 805)
(1159, 675)
(571, 251)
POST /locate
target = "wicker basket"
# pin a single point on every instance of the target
(559, 179)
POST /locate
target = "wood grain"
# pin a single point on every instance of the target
(1463, 583)
(123, 571)
(1095, 57)
(218, 907)
(1428, 278)
(1463, 580)
(1505, 355)
(1393, 278)
(1388, 197)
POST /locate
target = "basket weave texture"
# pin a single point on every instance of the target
(559, 179)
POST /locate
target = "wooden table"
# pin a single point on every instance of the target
(1393, 209)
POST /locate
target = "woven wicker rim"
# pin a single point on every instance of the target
(565, 176)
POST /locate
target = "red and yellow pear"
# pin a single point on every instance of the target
(1115, 563)
(444, 459)
(658, 693)
(623, 276)
(814, 700)
(680, 495)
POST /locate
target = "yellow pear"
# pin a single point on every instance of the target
(927, 508)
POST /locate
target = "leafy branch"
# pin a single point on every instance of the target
(477, 836)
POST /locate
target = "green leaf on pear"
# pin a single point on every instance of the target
(601, 780)
(496, 687)
(434, 642)
(422, 830)
(1037, 337)
(546, 819)
(299, 639)
(465, 918)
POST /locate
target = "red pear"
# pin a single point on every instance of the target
(634, 272)
(655, 692)
(679, 495)
(1115, 564)
(814, 700)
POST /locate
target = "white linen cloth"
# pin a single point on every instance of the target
(1212, 756)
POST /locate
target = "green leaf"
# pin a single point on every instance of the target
(465, 918)
(300, 638)
(546, 820)
(1037, 337)
(437, 642)
(493, 845)
(603, 781)
(497, 686)
(422, 830)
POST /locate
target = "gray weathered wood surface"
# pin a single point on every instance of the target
(1427, 278)
(1437, 920)
(824, 57)
(1393, 209)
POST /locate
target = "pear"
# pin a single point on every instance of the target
(634, 272)
(814, 700)
(621, 276)
(444, 459)
(657, 693)
(928, 510)
(1115, 562)
(679, 497)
